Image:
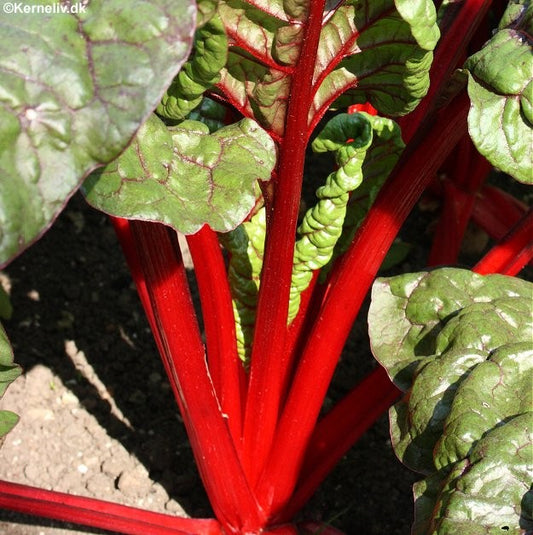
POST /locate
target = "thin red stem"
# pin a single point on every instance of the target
(99, 514)
(495, 211)
(350, 283)
(513, 252)
(338, 431)
(268, 360)
(182, 351)
(470, 170)
(225, 367)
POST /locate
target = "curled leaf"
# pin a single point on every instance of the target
(245, 245)
(359, 141)
(199, 73)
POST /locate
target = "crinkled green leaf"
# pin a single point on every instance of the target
(379, 161)
(74, 89)
(358, 141)
(488, 493)
(409, 311)
(460, 344)
(184, 176)
(377, 51)
(500, 86)
(245, 245)
(389, 53)
(495, 390)
(417, 422)
(200, 72)
(8, 373)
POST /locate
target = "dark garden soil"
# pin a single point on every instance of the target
(97, 414)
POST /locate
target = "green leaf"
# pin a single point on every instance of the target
(489, 493)
(8, 373)
(8, 420)
(377, 51)
(359, 141)
(409, 311)
(494, 391)
(184, 176)
(200, 72)
(245, 245)
(389, 52)
(500, 86)
(460, 345)
(74, 89)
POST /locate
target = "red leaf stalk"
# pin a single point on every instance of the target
(496, 211)
(350, 283)
(460, 191)
(225, 367)
(182, 351)
(268, 360)
(338, 431)
(99, 514)
(512, 253)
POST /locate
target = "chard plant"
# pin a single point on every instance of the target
(173, 116)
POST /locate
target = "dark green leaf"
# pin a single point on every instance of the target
(184, 176)
(460, 343)
(489, 493)
(75, 88)
(500, 87)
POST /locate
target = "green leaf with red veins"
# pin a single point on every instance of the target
(184, 176)
(74, 89)
(500, 86)
(377, 51)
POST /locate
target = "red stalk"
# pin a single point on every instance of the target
(182, 351)
(268, 360)
(338, 431)
(99, 514)
(225, 367)
(495, 211)
(127, 243)
(460, 191)
(513, 252)
(350, 283)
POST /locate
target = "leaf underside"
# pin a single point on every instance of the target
(459, 344)
(378, 53)
(75, 88)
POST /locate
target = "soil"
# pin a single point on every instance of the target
(97, 414)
